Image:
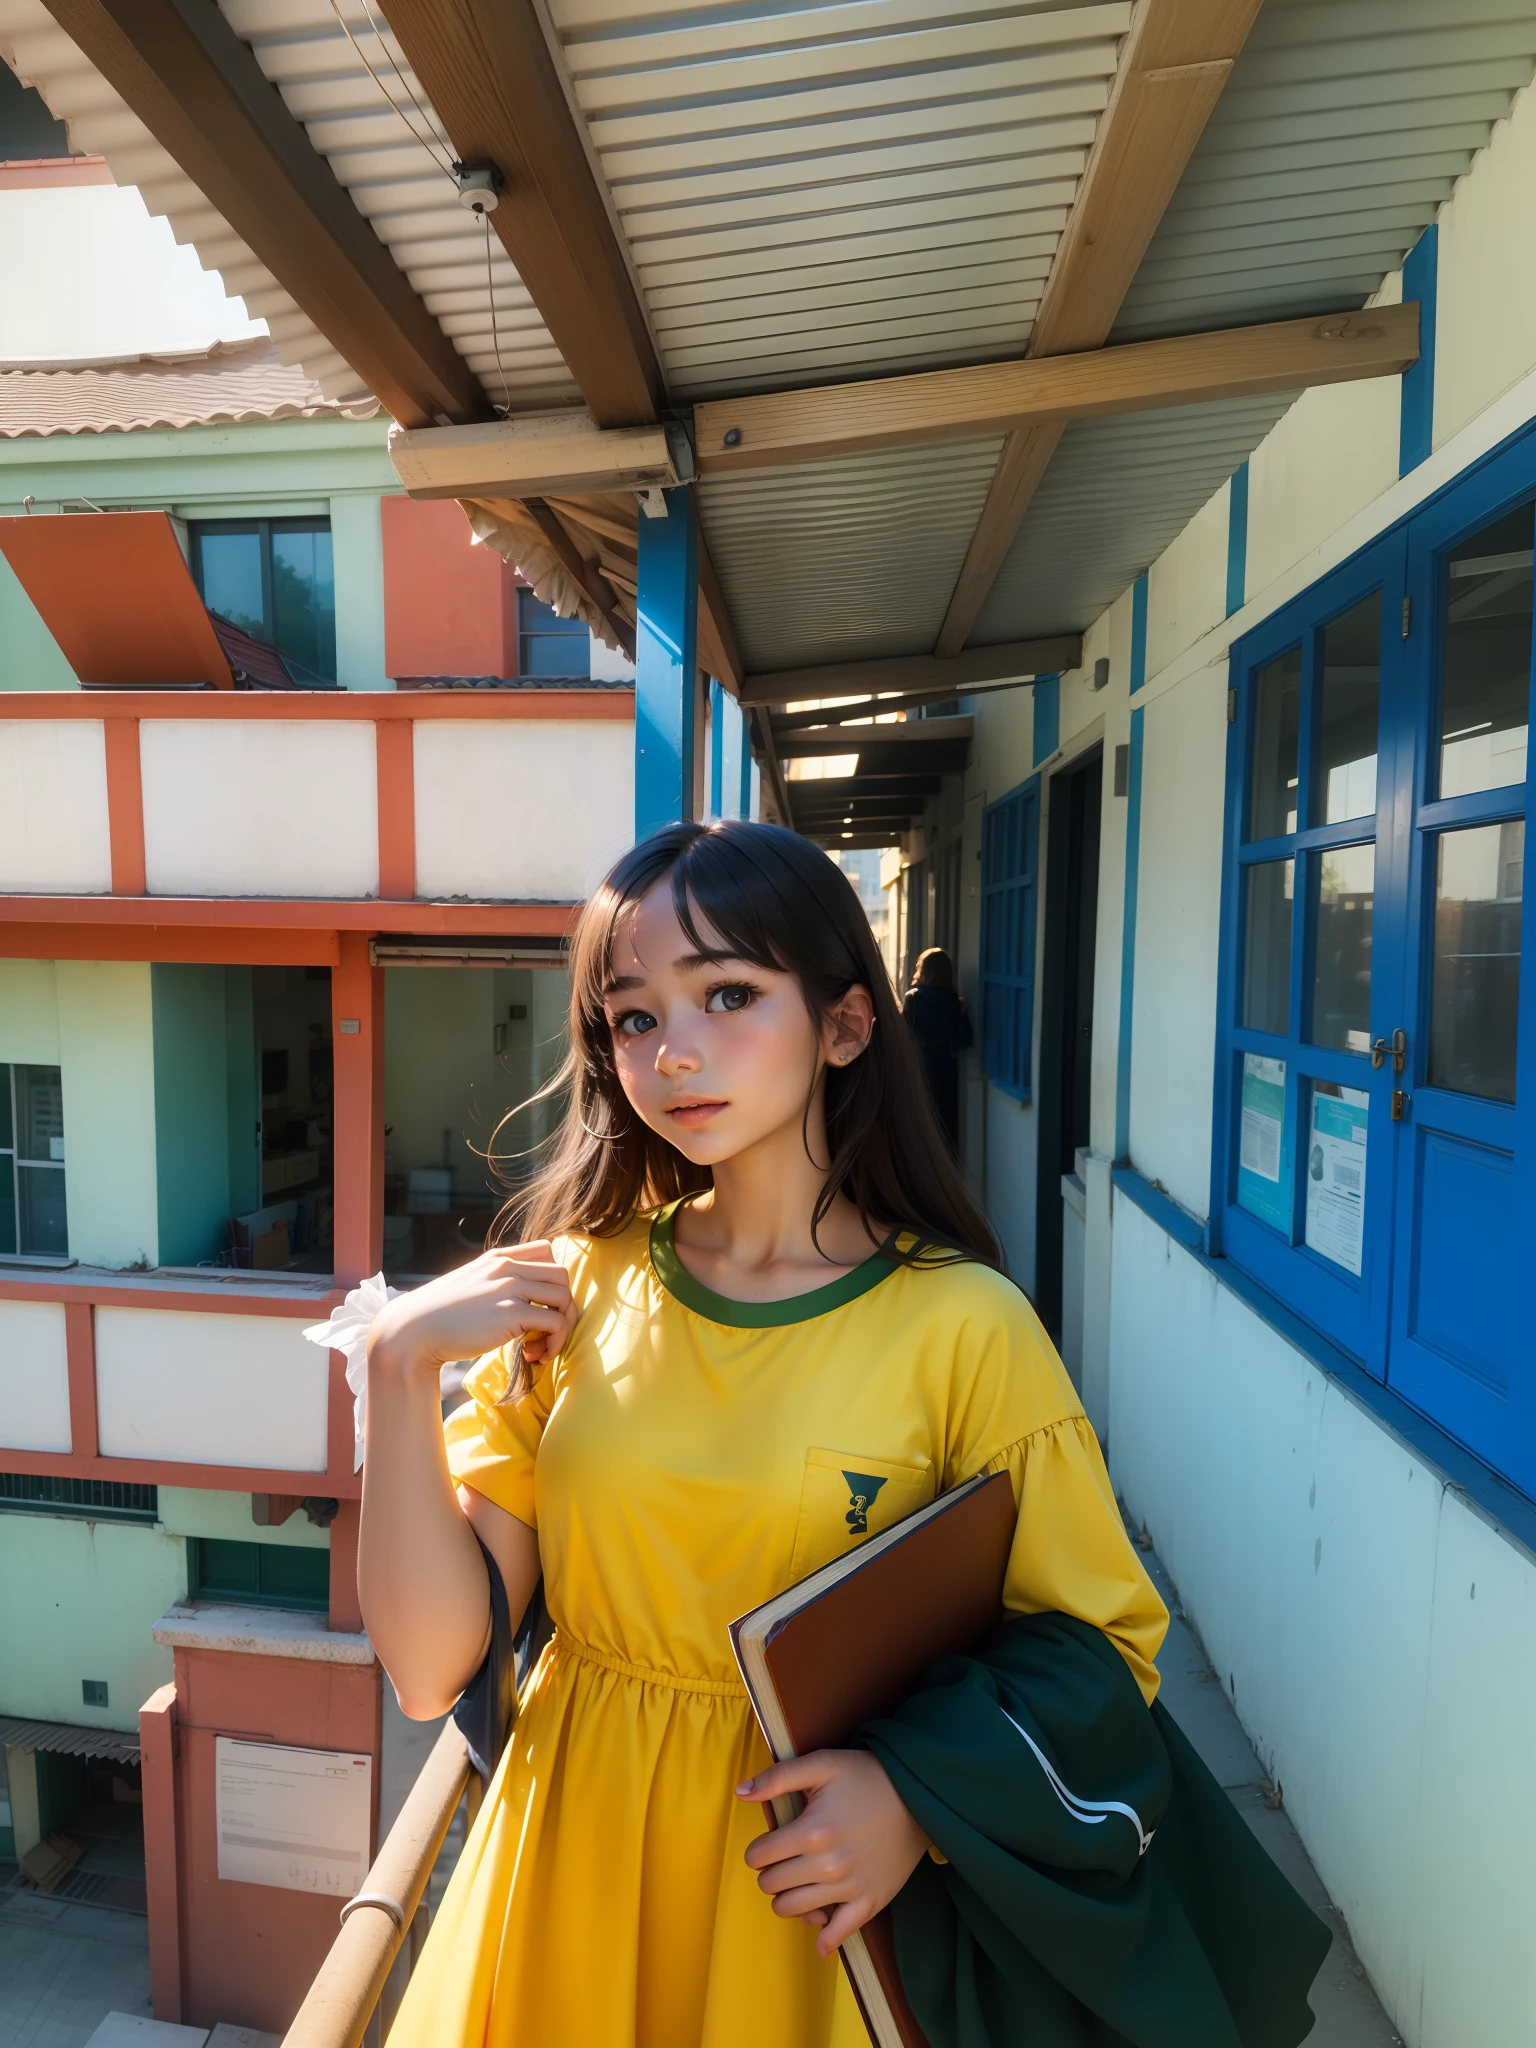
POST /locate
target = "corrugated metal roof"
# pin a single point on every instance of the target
(98, 122)
(838, 186)
(838, 560)
(1342, 129)
(59, 1738)
(1118, 491)
(396, 166)
(231, 382)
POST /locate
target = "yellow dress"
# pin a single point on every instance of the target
(685, 1458)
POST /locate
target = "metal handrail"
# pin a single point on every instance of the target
(340, 2003)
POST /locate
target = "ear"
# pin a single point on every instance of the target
(849, 1025)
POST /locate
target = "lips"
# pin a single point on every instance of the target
(691, 1113)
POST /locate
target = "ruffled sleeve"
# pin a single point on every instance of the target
(493, 1443)
(1012, 1407)
(1070, 1551)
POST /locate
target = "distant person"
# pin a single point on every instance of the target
(936, 1017)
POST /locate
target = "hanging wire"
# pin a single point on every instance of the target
(405, 84)
(490, 292)
(428, 140)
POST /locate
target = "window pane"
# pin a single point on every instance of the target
(39, 1114)
(6, 1139)
(556, 654)
(1479, 890)
(1336, 1173)
(1263, 1184)
(304, 600)
(42, 1223)
(1345, 893)
(1345, 783)
(294, 1577)
(1267, 974)
(227, 1568)
(1276, 726)
(1485, 699)
(7, 1206)
(231, 577)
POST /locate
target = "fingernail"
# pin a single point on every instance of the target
(742, 1791)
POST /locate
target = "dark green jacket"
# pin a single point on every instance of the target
(1036, 1769)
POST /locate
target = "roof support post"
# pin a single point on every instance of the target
(666, 664)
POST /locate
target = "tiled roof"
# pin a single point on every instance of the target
(228, 383)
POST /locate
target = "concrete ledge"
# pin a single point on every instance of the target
(259, 1632)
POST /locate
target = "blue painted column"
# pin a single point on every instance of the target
(665, 664)
(716, 750)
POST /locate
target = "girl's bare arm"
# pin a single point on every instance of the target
(421, 1578)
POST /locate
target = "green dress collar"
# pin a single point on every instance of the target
(758, 1315)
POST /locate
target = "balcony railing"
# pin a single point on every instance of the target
(390, 1912)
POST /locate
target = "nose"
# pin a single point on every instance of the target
(674, 1056)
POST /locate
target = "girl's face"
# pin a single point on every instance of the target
(714, 1053)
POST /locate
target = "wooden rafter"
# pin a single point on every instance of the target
(192, 81)
(778, 428)
(919, 675)
(494, 85)
(591, 579)
(1174, 62)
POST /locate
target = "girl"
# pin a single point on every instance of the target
(936, 1017)
(757, 1319)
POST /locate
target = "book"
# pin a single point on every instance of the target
(845, 1644)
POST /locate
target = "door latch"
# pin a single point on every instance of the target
(1398, 1049)
(1399, 1104)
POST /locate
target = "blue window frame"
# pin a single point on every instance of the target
(547, 644)
(1374, 1157)
(1010, 866)
(275, 579)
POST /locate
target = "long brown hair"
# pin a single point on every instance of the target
(772, 898)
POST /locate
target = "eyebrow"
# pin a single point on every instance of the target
(685, 963)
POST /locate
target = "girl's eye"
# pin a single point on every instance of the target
(634, 1023)
(734, 996)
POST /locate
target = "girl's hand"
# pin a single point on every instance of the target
(847, 1855)
(516, 1291)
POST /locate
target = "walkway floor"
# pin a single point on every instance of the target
(1348, 2013)
(64, 1966)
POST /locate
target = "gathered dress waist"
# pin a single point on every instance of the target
(564, 1644)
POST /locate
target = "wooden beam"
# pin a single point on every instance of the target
(593, 583)
(890, 740)
(768, 761)
(494, 85)
(1174, 62)
(197, 87)
(853, 719)
(538, 454)
(919, 675)
(718, 652)
(1143, 376)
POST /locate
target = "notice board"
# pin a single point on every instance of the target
(299, 1819)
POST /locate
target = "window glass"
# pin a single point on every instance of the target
(232, 583)
(7, 1139)
(40, 1114)
(1345, 783)
(1344, 894)
(1474, 1010)
(7, 1201)
(1267, 973)
(548, 644)
(41, 1223)
(1276, 733)
(304, 602)
(1336, 1174)
(1486, 692)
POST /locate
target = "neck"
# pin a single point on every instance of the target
(757, 1218)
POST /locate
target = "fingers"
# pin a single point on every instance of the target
(800, 1774)
(847, 1919)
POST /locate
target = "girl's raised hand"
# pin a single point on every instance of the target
(849, 1853)
(517, 1290)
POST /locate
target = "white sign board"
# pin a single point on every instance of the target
(295, 1818)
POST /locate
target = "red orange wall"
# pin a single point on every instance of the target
(450, 605)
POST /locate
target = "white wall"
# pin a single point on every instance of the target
(532, 809)
(53, 822)
(1486, 333)
(210, 1389)
(260, 807)
(34, 1377)
(1376, 1634)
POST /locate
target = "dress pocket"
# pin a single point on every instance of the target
(846, 1497)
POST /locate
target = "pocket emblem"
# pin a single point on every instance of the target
(862, 1488)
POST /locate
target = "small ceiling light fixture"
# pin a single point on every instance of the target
(1101, 672)
(480, 187)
